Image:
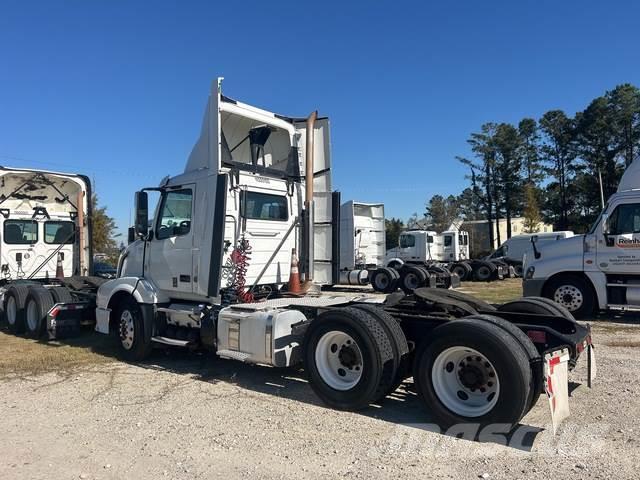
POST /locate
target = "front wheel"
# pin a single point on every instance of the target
(129, 329)
(573, 293)
(473, 372)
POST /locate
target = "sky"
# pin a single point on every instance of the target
(116, 89)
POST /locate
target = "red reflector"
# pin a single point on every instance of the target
(54, 312)
(537, 336)
(580, 347)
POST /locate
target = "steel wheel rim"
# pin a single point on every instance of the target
(411, 281)
(382, 281)
(569, 296)
(32, 316)
(465, 381)
(339, 360)
(126, 329)
(484, 272)
(12, 310)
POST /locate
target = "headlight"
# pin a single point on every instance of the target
(530, 272)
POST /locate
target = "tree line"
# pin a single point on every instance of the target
(558, 168)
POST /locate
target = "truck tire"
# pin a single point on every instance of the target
(562, 311)
(37, 306)
(399, 343)
(517, 267)
(349, 358)
(61, 295)
(384, 280)
(484, 271)
(461, 270)
(535, 305)
(412, 277)
(129, 331)
(473, 372)
(395, 264)
(14, 302)
(535, 359)
(573, 293)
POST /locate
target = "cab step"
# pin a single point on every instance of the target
(233, 355)
(171, 341)
(628, 308)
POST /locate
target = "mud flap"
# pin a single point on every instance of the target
(556, 385)
(591, 364)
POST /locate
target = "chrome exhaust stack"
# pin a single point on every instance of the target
(308, 201)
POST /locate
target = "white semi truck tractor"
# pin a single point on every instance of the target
(46, 282)
(442, 252)
(209, 272)
(599, 270)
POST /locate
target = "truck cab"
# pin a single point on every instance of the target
(414, 246)
(42, 225)
(600, 269)
(254, 197)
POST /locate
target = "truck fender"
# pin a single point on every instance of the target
(599, 283)
(392, 262)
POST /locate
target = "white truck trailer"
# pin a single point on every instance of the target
(222, 235)
(45, 251)
(599, 270)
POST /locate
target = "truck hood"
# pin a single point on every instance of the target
(569, 251)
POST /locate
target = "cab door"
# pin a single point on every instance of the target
(618, 245)
(170, 257)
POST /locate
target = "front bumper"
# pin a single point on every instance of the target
(532, 287)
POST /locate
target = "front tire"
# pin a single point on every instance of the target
(129, 329)
(473, 372)
(573, 293)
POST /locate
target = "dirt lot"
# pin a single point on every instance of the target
(70, 410)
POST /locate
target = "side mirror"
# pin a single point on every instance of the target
(605, 224)
(131, 235)
(142, 214)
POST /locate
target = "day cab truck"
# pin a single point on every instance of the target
(211, 268)
(599, 270)
(447, 251)
(513, 250)
(46, 281)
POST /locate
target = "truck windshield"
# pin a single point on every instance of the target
(20, 232)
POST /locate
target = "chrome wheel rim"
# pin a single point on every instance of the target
(569, 296)
(339, 360)
(126, 329)
(465, 381)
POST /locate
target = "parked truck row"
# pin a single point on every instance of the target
(209, 269)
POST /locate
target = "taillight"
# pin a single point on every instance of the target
(537, 336)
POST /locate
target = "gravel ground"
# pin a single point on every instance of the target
(190, 416)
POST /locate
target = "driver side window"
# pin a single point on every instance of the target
(625, 219)
(175, 214)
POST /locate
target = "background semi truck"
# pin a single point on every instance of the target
(256, 187)
(46, 259)
(448, 251)
(600, 269)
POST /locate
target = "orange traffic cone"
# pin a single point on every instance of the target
(294, 274)
(59, 269)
